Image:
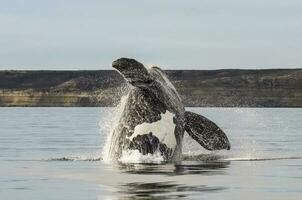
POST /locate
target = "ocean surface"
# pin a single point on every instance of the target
(56, 153)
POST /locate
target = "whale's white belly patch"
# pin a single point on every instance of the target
(162, 129)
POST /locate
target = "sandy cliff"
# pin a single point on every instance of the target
(264, 88)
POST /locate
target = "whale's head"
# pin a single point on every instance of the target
(133, 71)
(153, 80)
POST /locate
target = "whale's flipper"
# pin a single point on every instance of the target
(205, 132)
(133, 71)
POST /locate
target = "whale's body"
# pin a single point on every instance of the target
(154, 119)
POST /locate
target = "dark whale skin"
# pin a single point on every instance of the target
(151, 97)
(147, 100)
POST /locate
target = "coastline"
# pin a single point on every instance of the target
(198, 88)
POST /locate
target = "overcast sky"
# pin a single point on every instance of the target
(200, 34)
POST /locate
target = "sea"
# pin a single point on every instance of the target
(57, 154)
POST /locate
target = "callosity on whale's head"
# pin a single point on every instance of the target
(153, 119)
(133, 71)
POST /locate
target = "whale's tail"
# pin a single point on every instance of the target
(205, 132)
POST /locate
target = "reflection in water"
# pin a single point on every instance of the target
(170, 189)
(162, 190)
(182, 168)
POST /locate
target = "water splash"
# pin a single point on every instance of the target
(264, 158)
(75, 158)
(245, 148)
(134, 156)
(128, 156)
(110, 124)
(242, 128)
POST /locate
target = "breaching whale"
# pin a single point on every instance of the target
(154, 120)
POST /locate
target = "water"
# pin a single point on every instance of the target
(55, 153)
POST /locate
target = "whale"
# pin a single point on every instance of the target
(153, 118)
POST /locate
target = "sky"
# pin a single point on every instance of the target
(193, 34)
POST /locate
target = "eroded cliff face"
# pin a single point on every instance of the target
(268, 88)
(272, 88)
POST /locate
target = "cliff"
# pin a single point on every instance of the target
(250, 88)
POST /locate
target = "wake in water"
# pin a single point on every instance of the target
(135, 158)
(264, 159)
(75, 158)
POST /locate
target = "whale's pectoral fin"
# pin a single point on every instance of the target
(134, 72)
(205, 132)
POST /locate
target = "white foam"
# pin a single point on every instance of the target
(111, 123)
(162, 129)
(134, 156)
(75, 158)
(263, 158)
